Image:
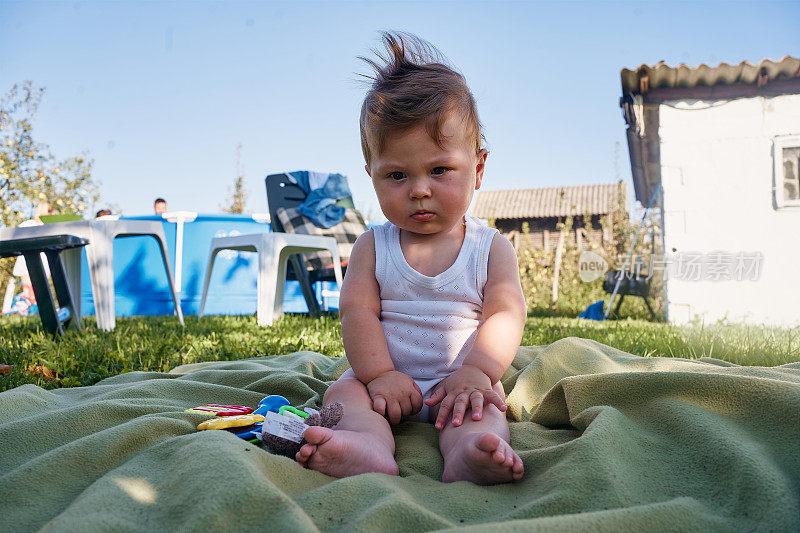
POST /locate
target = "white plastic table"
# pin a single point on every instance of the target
(100, 255)
(273, 251)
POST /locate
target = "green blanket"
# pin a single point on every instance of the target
(610, 441)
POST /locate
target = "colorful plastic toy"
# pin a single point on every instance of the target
(214, 409)
(225, 422)
(271, 403)
(295, 410)
(245, 422)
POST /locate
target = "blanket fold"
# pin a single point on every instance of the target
(611, 442)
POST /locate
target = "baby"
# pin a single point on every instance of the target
(431, 307)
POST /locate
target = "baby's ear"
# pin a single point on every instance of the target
(366, 167)
(480, 165)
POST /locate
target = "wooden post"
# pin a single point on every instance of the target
(546, 240)
(513, 236)
(556, 270)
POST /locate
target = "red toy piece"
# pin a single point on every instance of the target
(214, 409)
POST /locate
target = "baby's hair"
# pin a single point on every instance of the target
(413, 86)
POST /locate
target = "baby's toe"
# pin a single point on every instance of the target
(509, 462)
(489, 442)
(306, 451)
(518, 468)
(318, 435)
(498, 456)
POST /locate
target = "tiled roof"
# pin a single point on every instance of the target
(549, 202)
(663, 76)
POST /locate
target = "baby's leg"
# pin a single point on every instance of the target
(361, 442)
(479, 450)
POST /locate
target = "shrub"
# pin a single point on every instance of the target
(537, 266)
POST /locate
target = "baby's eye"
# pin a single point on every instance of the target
(397, 176)
(438, 171)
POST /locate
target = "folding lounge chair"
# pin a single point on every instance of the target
(283, 197)
(628, 287)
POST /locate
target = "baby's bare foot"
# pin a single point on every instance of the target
(342, 453)
(484, 459)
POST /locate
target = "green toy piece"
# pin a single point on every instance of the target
(298, 412)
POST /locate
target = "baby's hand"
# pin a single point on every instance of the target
(466, 386)
(394, 395)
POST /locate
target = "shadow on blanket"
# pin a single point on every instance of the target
(611, 442)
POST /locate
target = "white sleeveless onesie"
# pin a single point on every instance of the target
(431, 323)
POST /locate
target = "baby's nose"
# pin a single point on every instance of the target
(420, 189)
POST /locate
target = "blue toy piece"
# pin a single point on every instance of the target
(272, 403)
(250, 433)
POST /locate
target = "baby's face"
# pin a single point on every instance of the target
(425, 189)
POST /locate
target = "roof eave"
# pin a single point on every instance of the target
(722, 92)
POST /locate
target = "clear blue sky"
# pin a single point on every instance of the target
(161, 93)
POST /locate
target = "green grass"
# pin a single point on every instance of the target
(160, 343)
(740, 344)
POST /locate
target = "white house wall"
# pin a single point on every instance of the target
(717, 175)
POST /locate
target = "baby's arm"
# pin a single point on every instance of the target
(393, 393)
(504, 315)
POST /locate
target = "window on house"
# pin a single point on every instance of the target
(787, 171)
(791, 177)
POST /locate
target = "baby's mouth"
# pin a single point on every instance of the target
(422, 215)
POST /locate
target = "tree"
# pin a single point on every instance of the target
(29, 172)
(237, 195)
(237, 199)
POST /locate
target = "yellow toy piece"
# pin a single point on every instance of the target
(225, 422)
(197, 411)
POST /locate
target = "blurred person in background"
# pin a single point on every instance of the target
(160, 206)
(24, 303)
